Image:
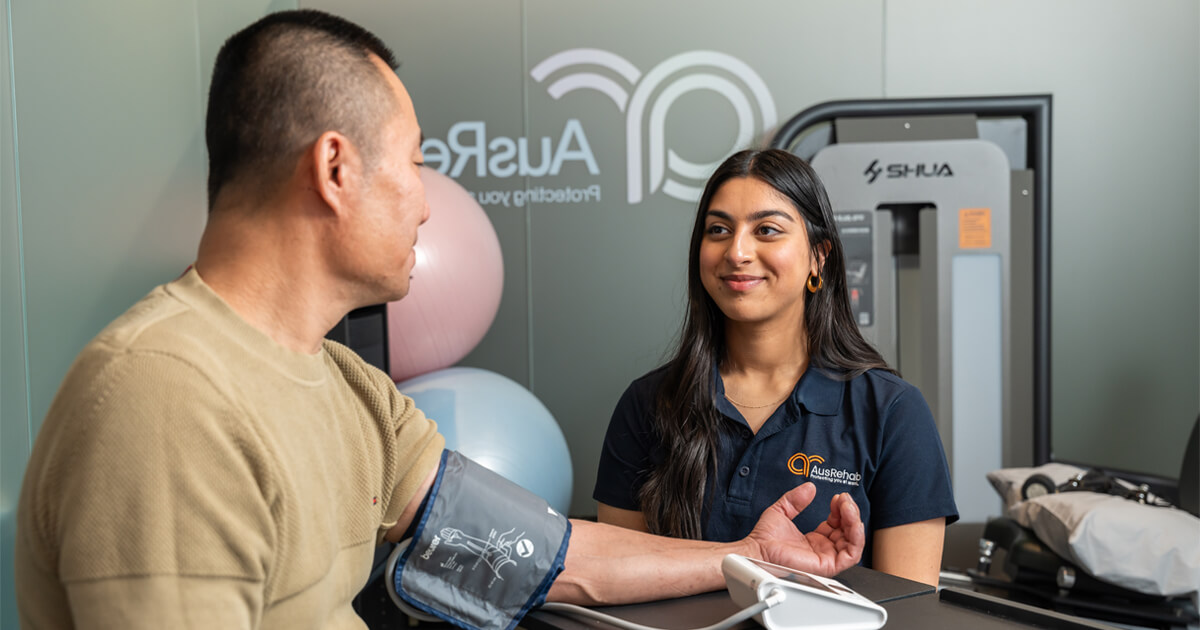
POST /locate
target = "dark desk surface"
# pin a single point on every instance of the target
(702, 610)
(910, 605)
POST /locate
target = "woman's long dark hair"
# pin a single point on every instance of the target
(685, 412)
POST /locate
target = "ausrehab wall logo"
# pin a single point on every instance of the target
(810, 466)
(645, 99)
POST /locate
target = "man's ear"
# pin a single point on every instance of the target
(335, 170)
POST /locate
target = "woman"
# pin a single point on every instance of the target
(773, 385)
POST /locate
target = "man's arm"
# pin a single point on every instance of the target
(396, 533)
(606, 564)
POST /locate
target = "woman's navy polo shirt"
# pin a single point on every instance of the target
(872, 436)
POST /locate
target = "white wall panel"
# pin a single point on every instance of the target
(1125, 201)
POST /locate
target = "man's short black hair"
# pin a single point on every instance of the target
(280, 83)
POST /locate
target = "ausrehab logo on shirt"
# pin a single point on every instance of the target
(809, 466)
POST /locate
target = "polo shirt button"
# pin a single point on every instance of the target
(745, 470)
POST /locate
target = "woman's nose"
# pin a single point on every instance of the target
(741, 248)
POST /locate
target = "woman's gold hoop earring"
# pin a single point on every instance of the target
(820, 283)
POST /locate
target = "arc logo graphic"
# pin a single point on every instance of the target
(800, 463)
(645, 99)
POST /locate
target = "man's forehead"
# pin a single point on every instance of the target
(389, 74)
(406, 113)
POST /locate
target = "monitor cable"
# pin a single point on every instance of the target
(774, 597)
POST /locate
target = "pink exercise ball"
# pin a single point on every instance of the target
(456, 285)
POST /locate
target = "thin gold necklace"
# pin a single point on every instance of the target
(745, 406)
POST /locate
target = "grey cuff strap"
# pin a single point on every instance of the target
(485, 550)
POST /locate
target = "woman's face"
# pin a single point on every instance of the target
(754, 254)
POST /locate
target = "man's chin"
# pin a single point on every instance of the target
(395, 295)
(400, 291)
(391, 288)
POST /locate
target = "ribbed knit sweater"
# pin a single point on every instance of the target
(193, 473)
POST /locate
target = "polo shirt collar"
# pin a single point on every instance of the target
(819, 391)
(723, 404)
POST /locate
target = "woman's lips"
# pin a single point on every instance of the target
(740, 282)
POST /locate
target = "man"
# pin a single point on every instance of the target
(211, 461)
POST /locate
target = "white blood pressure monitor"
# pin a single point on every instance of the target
(810, 602)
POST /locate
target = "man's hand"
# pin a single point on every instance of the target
(834, 546)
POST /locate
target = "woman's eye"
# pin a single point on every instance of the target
(716, 229)
(768, 230)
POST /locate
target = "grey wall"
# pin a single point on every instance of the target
(102, 187)
(102, 180)
(594, 291)
(14, 403)
(1126, 199)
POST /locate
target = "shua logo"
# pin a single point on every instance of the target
(897, 170)
(872, 171)
(646, 108)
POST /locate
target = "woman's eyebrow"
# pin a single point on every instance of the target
(756, 216)
(762, 214)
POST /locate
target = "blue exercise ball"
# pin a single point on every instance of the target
(499, 424)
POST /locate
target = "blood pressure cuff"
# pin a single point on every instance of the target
(485, 550)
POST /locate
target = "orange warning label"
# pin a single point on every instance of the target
(975, 228)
